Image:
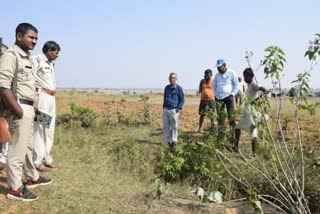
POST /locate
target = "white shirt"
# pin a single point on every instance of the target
(225, 84)
(253, 90)
(44, 72)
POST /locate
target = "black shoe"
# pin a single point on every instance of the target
(172, 146)
(22, 194)
(42, 181)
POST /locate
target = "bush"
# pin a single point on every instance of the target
(196, 164)
(85, 116)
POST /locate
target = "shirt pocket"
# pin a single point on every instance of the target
(45, 72)
(25, 72)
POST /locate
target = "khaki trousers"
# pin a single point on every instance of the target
(20, 150)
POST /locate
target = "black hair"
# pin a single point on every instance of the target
(248, 72)
(24, 27)
(208, 71)
(50, 46)
(171, 74)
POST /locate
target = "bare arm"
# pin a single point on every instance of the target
(11, 102)
(264, 90)
(200, 86)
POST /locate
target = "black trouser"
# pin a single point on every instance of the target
(227, 102)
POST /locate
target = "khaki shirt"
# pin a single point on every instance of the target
(16, 60)
(44, 72)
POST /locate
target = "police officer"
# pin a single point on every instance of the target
(17, 88)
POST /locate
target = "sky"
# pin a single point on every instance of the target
(137, 44)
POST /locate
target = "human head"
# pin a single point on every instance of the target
(221, 66)
(26, 36)
(248, 75)
(51, 49)
(208, 74)
(172, 78)
(239, 79)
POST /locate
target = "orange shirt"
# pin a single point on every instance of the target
(206, 90)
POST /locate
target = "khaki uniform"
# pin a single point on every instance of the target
(16, 74)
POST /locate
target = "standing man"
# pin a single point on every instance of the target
(248, 120)
(226, 86)
(207, 97)
(173, 101)
(17, 88)
(46, 106)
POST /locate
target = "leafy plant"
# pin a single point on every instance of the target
(195, 163)
(86, 116)
(287, 173)
(145, 112)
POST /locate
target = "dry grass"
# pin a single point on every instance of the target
(109, 169)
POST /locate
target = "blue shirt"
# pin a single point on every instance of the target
(225, 84)
(173, 97)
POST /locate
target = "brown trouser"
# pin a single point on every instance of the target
(20, 150)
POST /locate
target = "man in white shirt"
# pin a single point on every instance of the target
(248, 121)
(226, 86)
(45, 106)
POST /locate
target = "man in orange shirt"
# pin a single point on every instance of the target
(207, 98)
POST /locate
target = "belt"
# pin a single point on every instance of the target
(47, 91)
(27, 102)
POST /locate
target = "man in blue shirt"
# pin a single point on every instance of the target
(226, 86)
(173, 101)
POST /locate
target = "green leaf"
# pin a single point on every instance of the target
(310, 55)
(306, 53)
(268, 49)
(281, 51)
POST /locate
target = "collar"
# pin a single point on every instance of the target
(173, 86)
(225, 74)
(21, 52)
(44, 58)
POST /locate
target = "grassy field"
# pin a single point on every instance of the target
(112, 166)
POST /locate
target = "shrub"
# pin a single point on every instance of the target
(86, 116)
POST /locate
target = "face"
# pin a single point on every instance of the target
(172, 79)
(52, 55)
(207, 76)
(222, 69)
(248, 78)
(27, 41)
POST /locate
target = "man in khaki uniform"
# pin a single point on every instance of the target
(17, 88)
